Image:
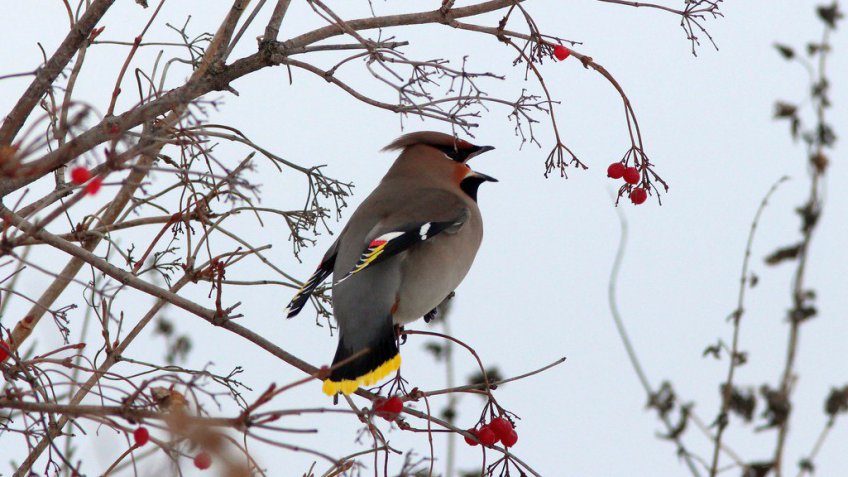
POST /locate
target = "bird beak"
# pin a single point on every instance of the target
(477, 151)
(480, 176)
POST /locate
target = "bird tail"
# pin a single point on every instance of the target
(380, 358)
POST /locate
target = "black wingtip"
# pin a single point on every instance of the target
(289, 312)
(302, 296)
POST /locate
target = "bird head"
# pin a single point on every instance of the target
(457, 150)
(442, 157)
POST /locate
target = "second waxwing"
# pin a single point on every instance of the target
(404, 250)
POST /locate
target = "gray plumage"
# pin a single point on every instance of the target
(404, 250)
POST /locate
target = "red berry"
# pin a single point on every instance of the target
(141, 436)
(561, 52)
(203, 460)
(469, 440)
(79, 175)
(501, 427)
(487, 436)
(510, 439)
(638, 195)
(393, 404)
(615, 170)
(389, 408)
(3, 351)
(94, 186)
(631, 175)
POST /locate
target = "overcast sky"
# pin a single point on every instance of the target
(537, 291)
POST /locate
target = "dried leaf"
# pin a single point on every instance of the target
(743, 403)
(796, 126)
(825, 135)
(713, 350)
(782, 254)
(663, 400)
(435, 349)
(806, 465)
(784, 110)
(810, 214)
(803, 313)
(785, 51)
(758, 469)
(494, 375)
(813, 48)
(777, 406)
(820, 162)
(837, 401)
(830, 15)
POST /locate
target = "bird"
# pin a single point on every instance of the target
(403, 252)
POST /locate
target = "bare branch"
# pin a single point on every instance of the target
(51, 70)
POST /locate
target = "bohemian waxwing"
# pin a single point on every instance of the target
(404, 250)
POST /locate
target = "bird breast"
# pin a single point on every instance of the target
(433, 269)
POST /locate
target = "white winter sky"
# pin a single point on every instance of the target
(538, 289)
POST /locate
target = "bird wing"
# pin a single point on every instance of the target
(325, 268)
(429, 214)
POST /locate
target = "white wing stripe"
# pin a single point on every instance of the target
(423, 231)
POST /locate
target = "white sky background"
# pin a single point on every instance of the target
(538, 288)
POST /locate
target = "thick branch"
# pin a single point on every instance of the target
(203, 83)
(276, 20)
(419, 18)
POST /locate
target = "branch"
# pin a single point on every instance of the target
(51, 70)
(203, 82)
(631, 352)
(435, 16)
(104, 266)
(727, 387)
(276, 20)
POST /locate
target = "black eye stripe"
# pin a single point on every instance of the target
(458, 155)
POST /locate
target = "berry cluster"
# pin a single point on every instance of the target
(80, 175)
(500, 429)
(631, 175)
(202, 460)
(388, 409)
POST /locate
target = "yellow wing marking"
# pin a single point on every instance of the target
(366, 260)
(371, 254)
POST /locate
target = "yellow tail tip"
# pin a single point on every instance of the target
(348, 386)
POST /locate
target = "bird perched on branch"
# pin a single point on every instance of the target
(404, 250)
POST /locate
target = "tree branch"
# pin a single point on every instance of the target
(50, 71)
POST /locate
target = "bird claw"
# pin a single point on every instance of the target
(431, 315)
(437, 311)
(399, 334)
